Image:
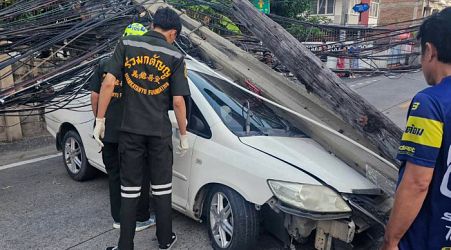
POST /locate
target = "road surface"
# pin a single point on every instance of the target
(391, 95)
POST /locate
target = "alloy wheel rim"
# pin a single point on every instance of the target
(72, 155)
(221, 220)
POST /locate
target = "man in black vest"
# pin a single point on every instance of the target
(154, 78)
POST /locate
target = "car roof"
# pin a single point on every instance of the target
(194, 65)
(197, 66)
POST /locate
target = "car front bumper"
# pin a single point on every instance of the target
(299, 225)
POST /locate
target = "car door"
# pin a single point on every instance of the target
(92, 148)
(197, 126)
(83, 119)
(181, 169)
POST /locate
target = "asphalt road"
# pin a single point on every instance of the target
(42, 208)
(390, 95)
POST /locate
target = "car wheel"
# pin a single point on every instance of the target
(74, 157)
(232, 221)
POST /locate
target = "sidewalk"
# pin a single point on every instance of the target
(26, 148)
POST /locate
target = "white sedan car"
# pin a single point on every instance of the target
(248, 167)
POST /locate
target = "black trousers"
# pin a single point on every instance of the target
(133, 150)
(110, 156)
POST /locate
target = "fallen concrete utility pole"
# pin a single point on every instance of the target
(320, 80)
(240, 66)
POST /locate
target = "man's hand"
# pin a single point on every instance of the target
(106, 91)
(180, 113)
(183, 146)
(99, 131)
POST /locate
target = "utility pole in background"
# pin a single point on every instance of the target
(344, 12)
(344, 18)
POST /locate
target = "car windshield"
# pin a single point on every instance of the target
(242, 113)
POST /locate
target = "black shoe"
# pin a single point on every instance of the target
(112, 248)
(169, 245)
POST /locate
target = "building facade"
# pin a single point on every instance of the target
(394, 11)
(340, 12)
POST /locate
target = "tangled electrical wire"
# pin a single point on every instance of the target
(65, 40)
(62, 40)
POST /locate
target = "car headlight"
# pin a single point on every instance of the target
(314, 198)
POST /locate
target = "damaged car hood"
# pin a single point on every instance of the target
(306, 154)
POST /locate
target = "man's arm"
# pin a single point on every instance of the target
(113, 68)
(180, 113)
(179, 89)
(106, 91)
(409, 199)
(94, 86)
(94, 102)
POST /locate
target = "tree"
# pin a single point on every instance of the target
(291, 8)
(300, 10)
(216, 20)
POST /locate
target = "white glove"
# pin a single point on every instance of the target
(99, 131)
(183, 146)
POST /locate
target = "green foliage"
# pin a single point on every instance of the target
(28, 15)
(295, 9)
(6, 3)
(300, 10)
(290, 8)
(303, 33)
(216, 20)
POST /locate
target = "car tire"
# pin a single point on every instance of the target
(74, 157)
(236, 224)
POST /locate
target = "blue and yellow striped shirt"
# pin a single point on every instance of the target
(426, 142)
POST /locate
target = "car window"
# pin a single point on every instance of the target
(241, 112)
(196, 121)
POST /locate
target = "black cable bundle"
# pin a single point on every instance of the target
(64, 37)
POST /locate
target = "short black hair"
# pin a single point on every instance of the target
(167, 19)
(436, 30)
